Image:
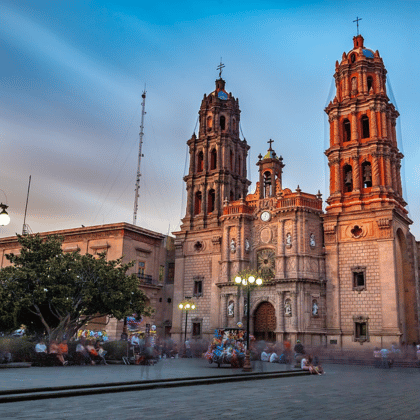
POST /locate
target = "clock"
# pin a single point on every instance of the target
(222, 95)
(265, 216)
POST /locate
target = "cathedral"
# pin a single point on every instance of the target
(344, 277)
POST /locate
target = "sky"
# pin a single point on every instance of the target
(72, 75)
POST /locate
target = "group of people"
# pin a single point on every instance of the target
(228, 351)
(152, 348)
(58, 352)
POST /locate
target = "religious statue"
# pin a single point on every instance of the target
(312, 240)
(232, 246)
(245, 306)
(231, 308)
(314, 308)
(354, 83)
(288, 239)
(287, 307)
(247, 245)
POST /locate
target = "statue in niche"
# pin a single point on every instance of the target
(314, 308)
(312, 240)
(247, 245)
(245, 306)
(289, 239)
(231, 308)
(353, 83)
(232, 246)
(288, 307)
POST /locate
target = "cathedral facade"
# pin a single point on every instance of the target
(342, 278)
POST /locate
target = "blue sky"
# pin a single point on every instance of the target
(72, 75)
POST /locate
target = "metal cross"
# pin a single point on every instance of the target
(270, 141)
(220, 67)
(357, 20)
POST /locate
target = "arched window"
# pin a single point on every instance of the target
(211, 200)
(348, 178)
(231, 197)
(353, 58)
(209, 122)
(367, 174)
(231, 160)
(369, 83)
(267, 184)
(200, 162)
(222, 122)
(213, 159)
(197, 203)
(346, 130)
(365, 127)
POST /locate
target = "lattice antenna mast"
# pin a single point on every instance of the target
(141, 134)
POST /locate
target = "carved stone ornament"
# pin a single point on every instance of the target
(231, 308)
(357, 232)
(287, 307)
(232, 246)
(289, 240)
(247, 246)
(312, 242)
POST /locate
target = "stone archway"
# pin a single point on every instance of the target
(265, 322)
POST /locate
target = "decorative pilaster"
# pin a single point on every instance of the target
(375, 170)
(373, 125)
(354, 131)
(356, 173)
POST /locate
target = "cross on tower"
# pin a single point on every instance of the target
(220, 67)
(270, 141)
(357, 20)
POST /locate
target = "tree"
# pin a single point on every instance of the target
(57, 292)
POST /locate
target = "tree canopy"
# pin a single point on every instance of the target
(58, 292)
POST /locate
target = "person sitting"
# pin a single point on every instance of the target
(265, 356)
(306, 364)
(93, 353)
(82, 355)
(41, 353)
(274, 358)
(64, 350)
(54, 350)
(377, 357)
(101, 352)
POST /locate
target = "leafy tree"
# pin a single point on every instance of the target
(50, 290)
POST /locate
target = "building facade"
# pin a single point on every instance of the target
(342, 278)
(152, 252)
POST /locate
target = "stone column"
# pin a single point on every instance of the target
(282, 323)
(394, 133)
(294, 298)
(192, 160)
(383, 120)
(394, 174)
(360, 83)
(373, 125)
(336, 129)
(346, 85)
(337, 175)
(354, 130)
(356, 173)
(364, 82)
(388, 174)
(389, 129)
(375, 170)
(399, 184)
(224, 304)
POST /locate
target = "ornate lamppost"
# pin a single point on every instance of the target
(4, 217)
(248, 280)
(187, 306)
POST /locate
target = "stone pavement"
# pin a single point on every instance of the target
(345, 392)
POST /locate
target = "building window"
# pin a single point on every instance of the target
(367, 174)
(169, 300)
(353, 58)
(365, 127)
(197, 203)
(231, 196)
(196, 329)
(267, 184)
(198, 287)
(209, 122)
(141, 268)
(213, 159)
(222, 122)
(348, 178)
(171, 273)
(161, 273)
(359, 278)
(361, 331)
(346, 131)
(369, 83)
(200, 162)
(211, 201)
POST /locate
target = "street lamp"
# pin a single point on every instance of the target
(248, 281)
(187, 306)
(4, 217)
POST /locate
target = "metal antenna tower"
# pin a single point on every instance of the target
(141, 134)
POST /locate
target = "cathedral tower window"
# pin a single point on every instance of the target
(197, 203)
(365, 127)
(231, 197)
(211, 201)
(209, 122)
(353, 58)
(367, 174)
(200, 162)
(222, 122)
(267, 184)
(348, 178)
(213, 159)
(346, 130)
(369, 83)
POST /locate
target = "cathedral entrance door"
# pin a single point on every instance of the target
(265, 322)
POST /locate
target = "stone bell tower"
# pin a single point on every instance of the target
(217, 160)
(371, 279)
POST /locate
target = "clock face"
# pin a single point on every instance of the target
(222, 95)
(265, 216)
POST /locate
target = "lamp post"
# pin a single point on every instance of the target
(186, 306)
(4, 217)
(247, 281)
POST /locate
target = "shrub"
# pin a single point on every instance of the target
(21, 348)
(116, 350)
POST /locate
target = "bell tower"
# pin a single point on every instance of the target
(371, 279)
(217, 169)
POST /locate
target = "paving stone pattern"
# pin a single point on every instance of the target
(345, 392)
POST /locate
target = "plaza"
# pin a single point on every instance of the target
(345, 392)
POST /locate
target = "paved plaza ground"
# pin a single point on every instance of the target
(345, 392)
